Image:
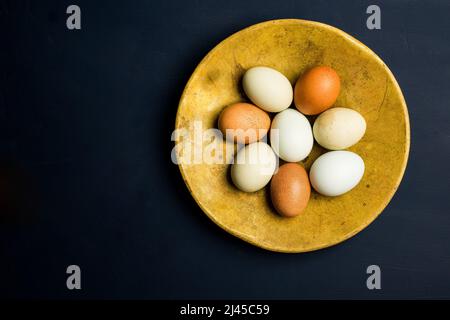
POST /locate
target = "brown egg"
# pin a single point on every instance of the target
(290, 190)
(316, 90)
(249, 122)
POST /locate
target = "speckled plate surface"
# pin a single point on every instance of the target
(292, 46)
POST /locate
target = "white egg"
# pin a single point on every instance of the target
(291, 136)
(339, 128)
(268, 88)
(336, 172)
(253, 167)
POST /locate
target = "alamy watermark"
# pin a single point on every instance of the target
(197, 145)
(374, 280)
(374, 20)
(74, 279)
(73, 21)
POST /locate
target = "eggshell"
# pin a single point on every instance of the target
(291, 135)
(336, 172)
(290, 190)
(268, 88)
(248, 122)
(339, 128)
(253, 167)
(316, 90)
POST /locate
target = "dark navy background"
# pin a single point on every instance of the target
(85, 171)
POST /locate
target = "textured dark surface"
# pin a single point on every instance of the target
(86, 176)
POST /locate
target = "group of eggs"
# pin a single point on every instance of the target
(291, 137)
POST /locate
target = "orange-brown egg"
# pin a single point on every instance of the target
(290, 190)
(316, 90)
(247, 122)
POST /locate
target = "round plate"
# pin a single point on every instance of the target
(367, 85)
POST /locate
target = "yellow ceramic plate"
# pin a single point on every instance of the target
(368, 86)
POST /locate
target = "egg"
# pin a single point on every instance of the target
(290, 190)
(291, 136)
(253, 167)
(336, 172)
(339, 128)
(268, 88)
(316, 90)
(245, 122)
